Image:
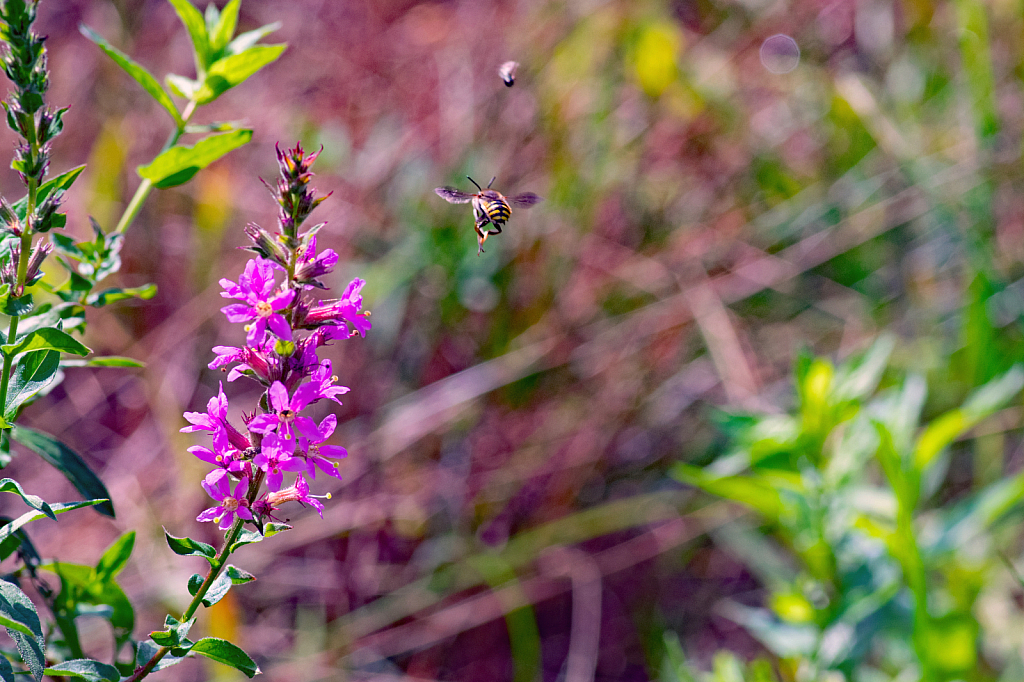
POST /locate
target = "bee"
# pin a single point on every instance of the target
(507, 71)
(489, 207)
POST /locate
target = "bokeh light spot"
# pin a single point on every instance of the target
(780, 53)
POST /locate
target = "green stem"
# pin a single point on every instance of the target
(146, 186)
(216, 566)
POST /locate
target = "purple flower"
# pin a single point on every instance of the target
(311, 265)
(223, 456)
(345, 309)
(324, 382)
(316, 451)
(285, 419)
(275, 458)
(216, 419)
(296, 493)
(231, 503)
(257, 288)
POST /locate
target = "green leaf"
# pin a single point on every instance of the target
(948, 427)
(177, 165)
(225, 652)
(83, 592)
(69, 463)
(190, 547)
(230, 71)
(175, 634)
(34, 372)
(104, 361)
(19, 542)
(243, 41)
(232, 575)
(57, 508)
(116, 556)
(86, 669)
(147, 648)
(107, 296)
(753, 491)
(136, 71)
(9, 485)
(182, 87)
(247, 537)
(22, 622)
(6, 671)
(196, 27)
(21, 305)
(221, 34)
(46, 338)
(61, 182)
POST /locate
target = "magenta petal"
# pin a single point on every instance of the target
(244, 513)
(278, 397)
(280, 326)
(209, 514)
(264, 423)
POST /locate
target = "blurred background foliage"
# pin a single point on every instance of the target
(738, 401)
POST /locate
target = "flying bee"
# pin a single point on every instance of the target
(489, 207)
(507, 71)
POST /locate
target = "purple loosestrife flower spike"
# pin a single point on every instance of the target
(262, 304)
(276, 457)
(285, 419)
(231, 503)
(312, 265)
(316, 451)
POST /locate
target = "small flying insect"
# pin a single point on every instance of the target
(489, 207)
(507, 71)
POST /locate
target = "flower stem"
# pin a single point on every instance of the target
(146, 186)
(216, 566)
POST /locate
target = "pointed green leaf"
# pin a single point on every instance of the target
(57, 508)
(221, 34)
(136, 71)
(225, 652)
(46, 338)
(247, 537)
(753, 491)
(68, 462)
(108, 296)
(6, 671)
(116, 556)
(104, 361)
(243, 41)
(181, 86)
(196, 27)
(34, 372)
(17, 608)
(190, 547)
(230, 71)
(147, 649)
(86, 669)
(177, 165)
(948, 427)
(9, 485)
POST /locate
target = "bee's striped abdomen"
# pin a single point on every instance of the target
(497, 210)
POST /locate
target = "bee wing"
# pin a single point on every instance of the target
(525, 199)
(453, 196)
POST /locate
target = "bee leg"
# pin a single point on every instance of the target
(481, 237)
(496, 230)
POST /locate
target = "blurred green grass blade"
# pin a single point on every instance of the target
(754, 491)
(975, 51)
(143, 77)
(523, 633)
(982, 403)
